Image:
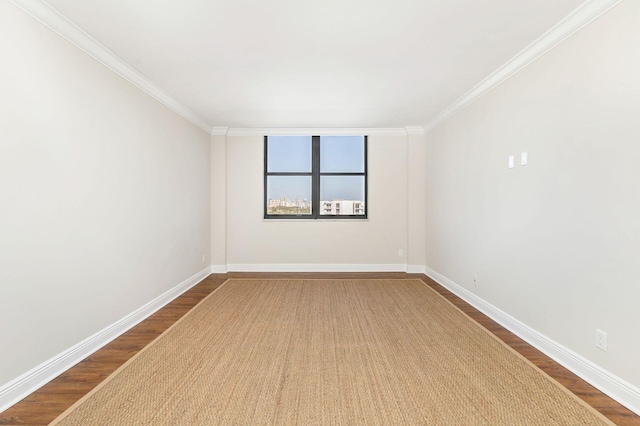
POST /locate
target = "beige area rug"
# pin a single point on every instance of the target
(339, 352)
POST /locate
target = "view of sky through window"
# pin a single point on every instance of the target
(289, 187)
(341, 154)
(289, 154)
(342, 188)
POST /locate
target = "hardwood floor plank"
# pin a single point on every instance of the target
(45, 404)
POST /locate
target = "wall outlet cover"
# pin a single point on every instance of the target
(601, 340)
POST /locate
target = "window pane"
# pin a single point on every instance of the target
(289, 195)
(289, 154)
(342, 195)
(342, 154)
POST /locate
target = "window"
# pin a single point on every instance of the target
(315, 177)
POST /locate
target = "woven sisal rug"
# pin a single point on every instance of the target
(339, 352)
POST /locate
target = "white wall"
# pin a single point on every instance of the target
(416, 202)
(218, 203)
(253, 243)
(104, 196)
(556, 243)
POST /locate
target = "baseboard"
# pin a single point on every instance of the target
(32, 380)
(219, 269)
(623, 392)
(316, 267)
(415, 269)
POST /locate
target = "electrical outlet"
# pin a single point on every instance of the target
(475, 281)
(601, 340)
(400, 253)
(203, 258)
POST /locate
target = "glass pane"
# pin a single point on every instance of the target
(289, 154)
(342, 154)
(342, 195)
(289, 195)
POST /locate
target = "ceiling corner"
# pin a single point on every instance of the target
(44, 13)
(574, 22)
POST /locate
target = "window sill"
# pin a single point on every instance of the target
(313, 220)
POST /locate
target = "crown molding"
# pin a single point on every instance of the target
(414, 130)
(50, 17)
(283, 131)
(58, 23)
(219, 131)
(574, 22)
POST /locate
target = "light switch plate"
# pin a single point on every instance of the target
(524, 158)
(511, 162)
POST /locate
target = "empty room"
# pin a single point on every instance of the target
(339, 212)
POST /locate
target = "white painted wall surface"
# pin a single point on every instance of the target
(104, 193)
(416, 202)
(556, 243)
(251, 240)
(218, 203)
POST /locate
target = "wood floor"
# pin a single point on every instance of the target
(44, 405)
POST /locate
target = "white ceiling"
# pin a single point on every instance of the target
(322, 64)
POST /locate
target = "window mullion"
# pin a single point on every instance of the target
(289, 174)
(266, 168)
(315, 179)
(366, 177)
